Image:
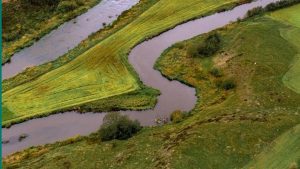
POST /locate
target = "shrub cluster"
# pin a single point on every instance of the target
(227, 84)
(255, 11)
(271, 7)
(14, 33)
(216, 72)
(43, 2)
(117, 126)
(208, 47)
(281, 4)
(67, 5)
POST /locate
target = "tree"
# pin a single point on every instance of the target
(117, 126)
(210, 46)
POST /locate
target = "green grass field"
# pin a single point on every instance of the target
(283, 153)
(291, 17)
(102, 71)
(255, 123)
(25, 22)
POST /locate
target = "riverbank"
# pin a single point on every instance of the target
(25, 22)
(111, 51)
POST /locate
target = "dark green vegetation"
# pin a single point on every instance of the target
(209, 46)
(271, 7)
(101, 70)
(25, 21)
(255, 121)
(117, 126)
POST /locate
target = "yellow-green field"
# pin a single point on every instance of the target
(102, 71)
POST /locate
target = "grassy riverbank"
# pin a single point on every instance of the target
(25, 21)
(228, 128)
(102, 71)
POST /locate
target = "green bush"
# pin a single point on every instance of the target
(42, 2)
(79, 2)
(117, 126)
(210, 46)
(66, 6)
(280, 4)
(255, 11)
(12, 34)
(226, 84)
(216, 72)
(7, 37)
(271, 7)
(177, 116)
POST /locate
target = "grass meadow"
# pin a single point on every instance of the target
(291, 17)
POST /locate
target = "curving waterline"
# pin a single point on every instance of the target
(66, 37)
(174, 95)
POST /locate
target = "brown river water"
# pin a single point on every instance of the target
(174, 95)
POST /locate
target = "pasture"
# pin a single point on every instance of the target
(284, 152)
(291, 16)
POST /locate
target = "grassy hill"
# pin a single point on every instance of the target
(229, 128)
(102, 71)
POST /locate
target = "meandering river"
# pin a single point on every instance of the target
(174, 95)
